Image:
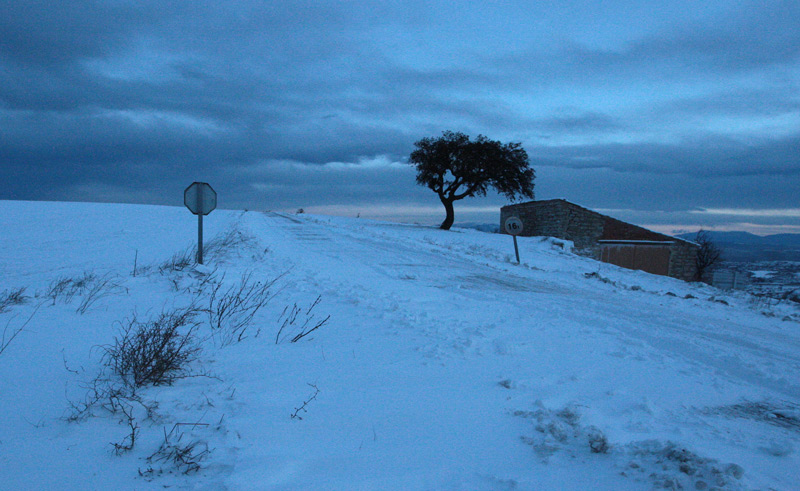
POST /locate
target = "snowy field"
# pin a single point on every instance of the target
(443, 365)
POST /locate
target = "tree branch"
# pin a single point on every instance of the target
(466, 193)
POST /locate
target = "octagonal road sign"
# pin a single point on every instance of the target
(200, 198)
(513, 226)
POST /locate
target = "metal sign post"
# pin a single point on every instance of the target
(201, 199)
(513, 226)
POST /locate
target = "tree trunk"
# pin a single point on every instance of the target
(448, 221)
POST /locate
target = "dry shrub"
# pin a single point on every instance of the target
(155, 352)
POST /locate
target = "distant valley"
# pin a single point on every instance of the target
(747, 247)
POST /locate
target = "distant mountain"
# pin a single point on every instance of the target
(747, 247)
(789, 240)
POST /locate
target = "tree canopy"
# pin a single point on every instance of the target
(455, 167)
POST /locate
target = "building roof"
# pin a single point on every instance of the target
(613, 229)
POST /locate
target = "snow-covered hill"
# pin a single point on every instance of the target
(443, 365)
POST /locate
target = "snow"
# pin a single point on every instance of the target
(444, 364)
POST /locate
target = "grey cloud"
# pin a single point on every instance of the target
(755, 36)
(46, 33)
(579, 122)
(652, 192)
(766, 34)
(761, 34)
(764, 101)
(706, 155)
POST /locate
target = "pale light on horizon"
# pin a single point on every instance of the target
(786, 212)
(753, 228)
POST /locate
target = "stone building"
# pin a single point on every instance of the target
(606, 238)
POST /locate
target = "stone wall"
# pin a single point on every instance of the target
(559, 218)
(562, 219)
(682, 260)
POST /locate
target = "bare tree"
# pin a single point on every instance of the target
(708, 256)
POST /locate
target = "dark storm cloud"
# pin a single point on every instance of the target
(129, 101)
(265, 79)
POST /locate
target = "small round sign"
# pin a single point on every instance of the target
(513, 225)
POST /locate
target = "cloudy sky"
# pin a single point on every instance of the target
(671, 114)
